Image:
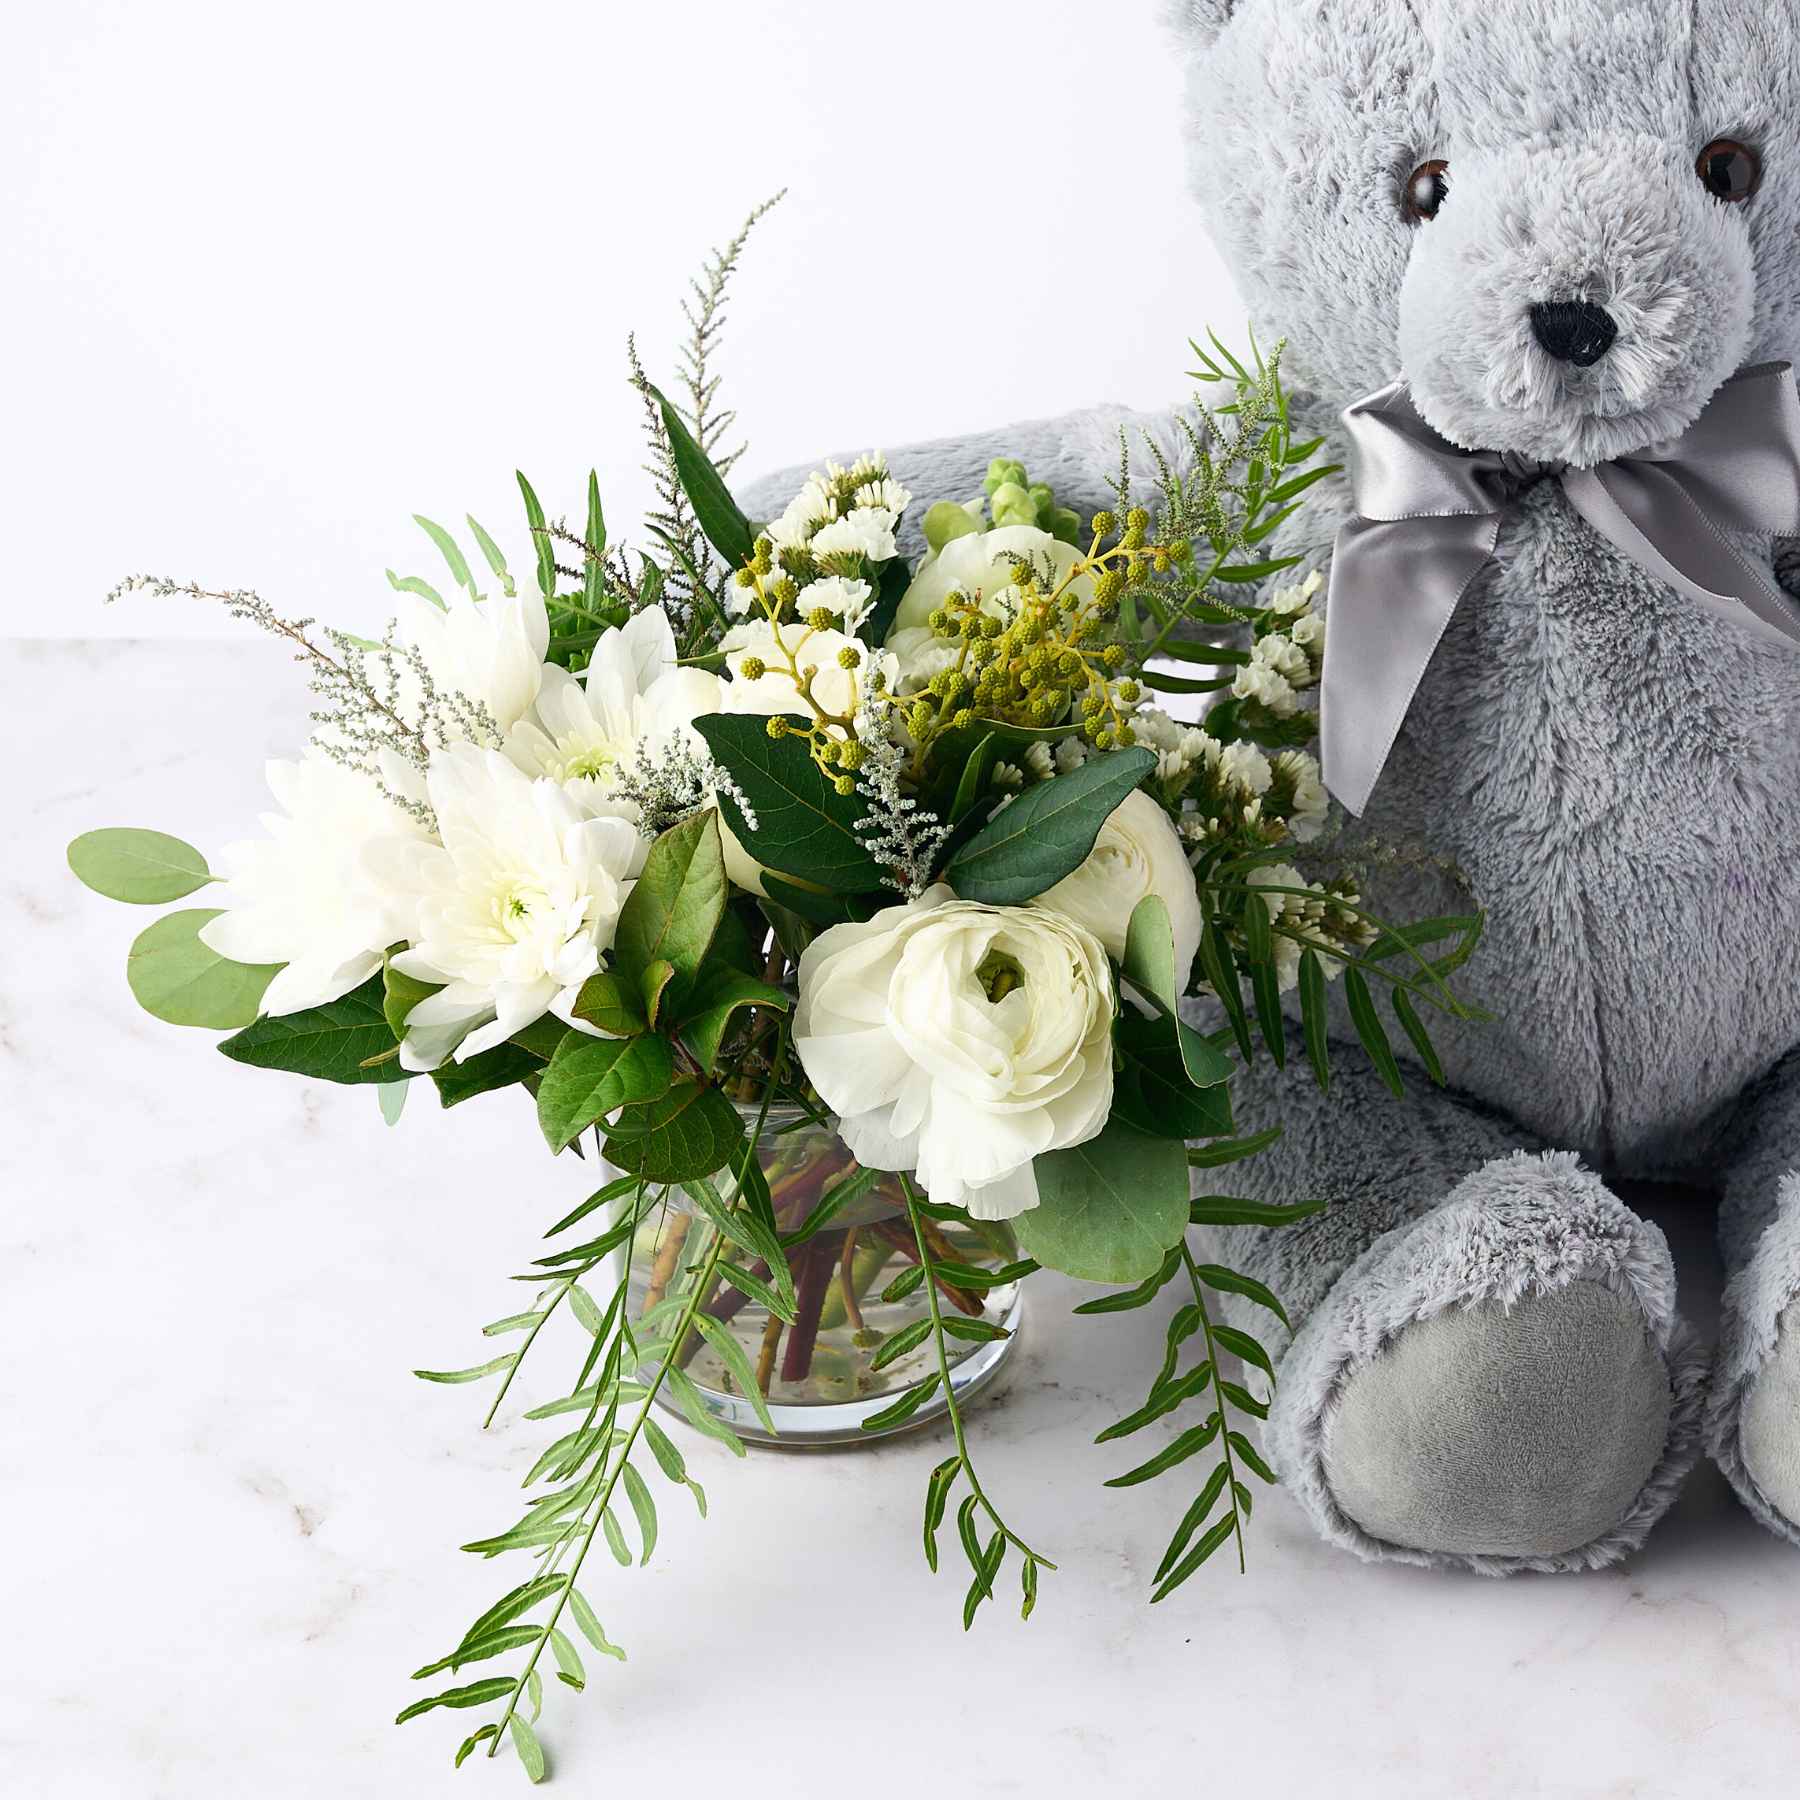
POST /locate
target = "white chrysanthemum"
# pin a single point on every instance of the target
(490, 650)
(978, 564)
(580, 732)
(513, 911)
(1136, 854)
(306, 894)
(960, 1040)
(1306, 818)
(850, 599)
(865, 531)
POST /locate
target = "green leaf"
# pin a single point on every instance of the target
(1241, 1344)
(1109, 1209)
(1188, 1444)
(890, 590)
(831, 1203)
(815, 909)
(1149, 965)
(721, 993)
(675, 906)
(1230, 1150)
(143, 868)
(643, 1504)
(480, 1649)
(937, 1497)
(611, 1005)
(903, 1408)
(591, 1628)
(1046, 832)
(568, 1661)
(510, 1606)
(477, 1374)
(401, 993)
(177, 979)
(1370, 1029)
(690, 1132)
(540, 538)
(412, 584)
(473, 1741)
(804, 826)
(332, 1042)
(1229, 1281)
(726, 528)
(974, 777)
(1248, 1454)
(593, 583)
(477, 1693)
(1414, 1027)
(1141, 1295)
(731, 1353)
(506, 1065)
(531, 1752)
(1227, 1209)
(392, 1095)
(1220, 967)
(907, 1339)
(1192, 1520)
(495, 560)
(1215, 1536)
(589, 1078)
(459, 569)
(1152, 1089)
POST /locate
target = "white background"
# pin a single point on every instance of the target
(276, 278)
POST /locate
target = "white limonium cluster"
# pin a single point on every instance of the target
(1318, 911)
(836, 531)
(1286, 660)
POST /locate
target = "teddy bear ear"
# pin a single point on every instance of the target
(1195, 23)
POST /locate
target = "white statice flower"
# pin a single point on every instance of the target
(1260, 682)
(582, 731)
(1039, 760)
(979, 565)
(1286, 658)
(1306, 818)
(865, 531)
(1308, 631)
(1179, 748)
(1246, 768)
(512, 912)
(1293, 913)
(813, 506)
(961, 1041)
(490, 650)
(1137, 853)
(851, 599)
(1008, 777)
(1299, 597)
(1071, 753)
(884, 492)
(307, 894)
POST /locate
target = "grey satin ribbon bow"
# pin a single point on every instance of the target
(1428, 519)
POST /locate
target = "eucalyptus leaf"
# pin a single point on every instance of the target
(142, 868)
(176, 978)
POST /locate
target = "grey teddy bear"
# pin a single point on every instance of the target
(1506, 203)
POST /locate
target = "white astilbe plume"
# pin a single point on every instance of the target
(670, 781)
(905, 839)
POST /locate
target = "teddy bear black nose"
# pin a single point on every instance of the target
(1574, 331)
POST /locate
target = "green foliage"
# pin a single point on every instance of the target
(345, 1040)
(675, 906)
(590, 1078)
(687, 1132)
(1046, 832)
(804, 827)
(723, 992)
(143, 868)
(726, 528)
(1109, 1209)
(176, 978)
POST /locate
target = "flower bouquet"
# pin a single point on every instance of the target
(865, 913)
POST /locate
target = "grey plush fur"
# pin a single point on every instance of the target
(1607, 771)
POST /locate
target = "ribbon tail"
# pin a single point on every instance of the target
(1647, 511)
(1395, 585)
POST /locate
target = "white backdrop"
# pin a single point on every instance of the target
(276, 278)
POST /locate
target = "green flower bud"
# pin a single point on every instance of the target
(762, 556)
(1105, 524)
(849, 657)
(963, 719)
(845, 785)
(777, 727)
(852, 755)
(1001, 470)
(947, 520)
(821, 618)
(1064, 524)
(1137, 520)
(746, 577)
(753, 668)
(1013, 505)
(786, 591)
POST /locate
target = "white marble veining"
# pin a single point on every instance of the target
(231, 1513)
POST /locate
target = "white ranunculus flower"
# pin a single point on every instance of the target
(960, 1041)
(491, 650)
(579, 732)
(836, 688)
(1137, 854)
(976, 564)
(513, 911)
(306, 894)
(920, 654)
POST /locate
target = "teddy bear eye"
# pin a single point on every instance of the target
(1427, 188)
(1731, 171)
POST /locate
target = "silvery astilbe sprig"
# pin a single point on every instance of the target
(671, 783)
(898, 833)
(376, 700)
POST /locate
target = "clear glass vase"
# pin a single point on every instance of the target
(819, 1376)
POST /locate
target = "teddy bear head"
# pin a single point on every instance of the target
(1564, 222)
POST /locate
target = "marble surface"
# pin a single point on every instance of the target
(231, 1512)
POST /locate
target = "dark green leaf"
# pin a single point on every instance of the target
(143, 868)
(1230, 1150)
(1141, 1295)
(1047, 831)
(937, 1496)
(1188, 1444)
(721, 993)
(540, 539)
(906, 1339)
(477, 1693)
(1153, 1090)
(726, 528)
(1110, 1209)
(1220, 967)
(1369, 1028)
(480, 1649)
(589, 1078)
(974, 778)
(690, 1132)
(473, 1741)
(332, 1042)
(1414, 1027)
(1229, 1281)
(804, 826)
(506, 1065)
(675, 905)
(1226, 1209)
(1241, 1397)
(1192, 1520)
(903, 1408)
(1201, 1551)
(593, 583)
(815, 909)
(1313, 1017)
(1247, 1454)
(611, 1004)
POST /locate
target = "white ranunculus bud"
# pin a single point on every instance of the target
(978, 565)
(961, 1041)
(1136, 854)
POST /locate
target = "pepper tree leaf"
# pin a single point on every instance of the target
(804, 826)
(589, 1078)
(540, 538)
(142, 868)
(1110, 1209)
(177, 979)
(332, 1042)
(1047, 832)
